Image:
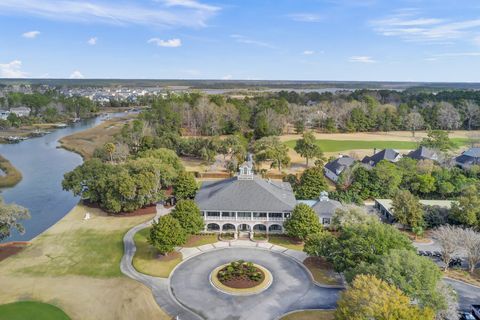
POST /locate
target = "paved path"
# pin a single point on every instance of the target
(467, 294)
(291, 289)
(160, 286)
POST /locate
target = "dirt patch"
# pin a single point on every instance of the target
(242, 282)
(10, 250)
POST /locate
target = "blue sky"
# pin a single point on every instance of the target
(394, 40)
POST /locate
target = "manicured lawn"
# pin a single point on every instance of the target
(322, 271)
(200, 240)
(345, 145)
(84, 252)
(286, 242)
(311, 315)
(24, 310)
(147, 259)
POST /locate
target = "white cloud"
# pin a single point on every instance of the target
(308, 52)
(227, 77)
(76, 75)
(245, 40)
(167, 13)
(171, 43)
(409, 26)
(31, 34)
(361, 59)
(12, 70)
(305, 17)
(92, 41)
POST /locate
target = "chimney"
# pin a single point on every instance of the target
(374, 150)
(324, 196)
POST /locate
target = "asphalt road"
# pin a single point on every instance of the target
(291, 288)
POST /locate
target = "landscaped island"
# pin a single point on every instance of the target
(240, 274)
(9, 176)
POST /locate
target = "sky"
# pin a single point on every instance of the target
(344, 40)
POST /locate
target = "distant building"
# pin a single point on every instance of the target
(21, 111)
(325, 208)
(384, 206)
(4, 114)
(468, 158)
(334, 169)
(386, 154)
(424, 153)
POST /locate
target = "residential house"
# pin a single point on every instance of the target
(21, 111)
(424, 153)
(386, 154)
(468, 158)
(384, 206)
(334, 169)
(4, 114)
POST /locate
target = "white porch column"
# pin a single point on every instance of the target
(236, 215)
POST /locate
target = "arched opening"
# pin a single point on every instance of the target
(213, 227)
(275, 228)
(259, 228)
(244, 227)
(228, 227)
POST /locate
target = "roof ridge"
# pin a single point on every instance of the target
(273, 185)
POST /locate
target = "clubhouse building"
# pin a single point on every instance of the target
(249, 203)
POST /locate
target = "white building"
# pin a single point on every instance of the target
(21, 111)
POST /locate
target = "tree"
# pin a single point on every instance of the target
(448, 116)
(303, 222)
(437, 139)
(311, 184)
(414, 122)
(469, 241)
(350, 216)
(109, 149)
(10, 215)
(447, 238)
(185, 186)
(471, 111)
(466, 209)
(307, 147)
(189, 216)
(371, 298)
(299, 126)
(166, 234)
(271, 149)
(387, 174)
(407, 209)
(418, 277)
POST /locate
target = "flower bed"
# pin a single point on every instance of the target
(240, 275)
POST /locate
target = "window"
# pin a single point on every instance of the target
(213, 214)
(243, 214)
(326, 221)
(275, 215)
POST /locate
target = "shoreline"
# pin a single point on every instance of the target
(12, 175)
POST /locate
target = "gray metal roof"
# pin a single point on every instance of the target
(246, 195)
(472, 152)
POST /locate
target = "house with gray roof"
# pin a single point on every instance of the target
(468, 158)
(334, 169)
(325, 208)
(386, 154)
(424, 153)
(245, 203)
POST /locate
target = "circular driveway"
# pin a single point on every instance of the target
(291, 289)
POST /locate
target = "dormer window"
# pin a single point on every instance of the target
(245, 171)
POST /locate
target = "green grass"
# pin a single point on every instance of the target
(84, 252)
(200, 240)
(146, 257)
(24, 310)
(345, 145)
(285, 241)
(310, 315)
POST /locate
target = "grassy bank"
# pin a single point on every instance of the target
(31, 310)
(85, 142)
(347, 145)
(12, 175)
(76, 264)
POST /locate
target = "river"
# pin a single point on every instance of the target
(43, 165)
